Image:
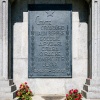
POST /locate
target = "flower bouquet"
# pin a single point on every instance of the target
(24, 92)
(73, 95)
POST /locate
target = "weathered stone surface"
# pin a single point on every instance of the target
(91, 88)
(75, 17)
(7, 89)
(6, 83)
(75, 39)
(83, 54)
(51, 85)
(80, 52)
(53, 97)
(21, 40)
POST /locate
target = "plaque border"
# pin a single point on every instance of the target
(44, 7)
(47, 7)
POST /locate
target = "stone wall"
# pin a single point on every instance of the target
(79, 48)
(0, 39)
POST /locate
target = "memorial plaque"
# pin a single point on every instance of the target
(50, 41)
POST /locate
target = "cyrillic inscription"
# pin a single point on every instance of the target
(50, 48)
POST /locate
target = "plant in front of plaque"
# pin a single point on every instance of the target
(73, 95)
(24, 92)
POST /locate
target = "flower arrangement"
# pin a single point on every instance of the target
(24, 92)
(73, 95)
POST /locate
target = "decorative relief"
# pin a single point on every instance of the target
(50, 13)
(68, 51)
(32, 47)
(49, 44)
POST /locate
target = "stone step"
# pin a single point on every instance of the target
(6, 99)
(90, 95)
(4, 83)
(91, 88)
(10, 95)
(1, 78)
(48, 97)
(52, 97)
(39, 97)
(93, 82)
(15, 99)
(8, 88)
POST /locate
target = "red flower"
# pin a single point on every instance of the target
(26, 90)
(20, 85)
(17, 93)
(25, 82)
(79, 96)
(76, 99)
(75, 91)
(67, 95)
(71, 91)
(73, 95)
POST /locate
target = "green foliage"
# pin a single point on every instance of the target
(24, 92)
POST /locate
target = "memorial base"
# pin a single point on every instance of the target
(91, 89)
(7, 89)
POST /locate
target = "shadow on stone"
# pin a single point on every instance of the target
(53, 97)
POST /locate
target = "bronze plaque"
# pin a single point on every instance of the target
(50, 41)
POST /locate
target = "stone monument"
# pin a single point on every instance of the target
(53, 48)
